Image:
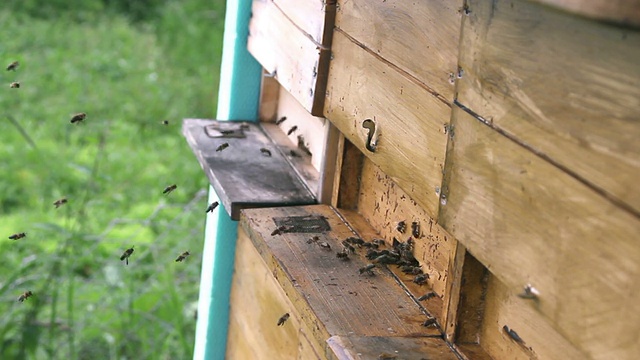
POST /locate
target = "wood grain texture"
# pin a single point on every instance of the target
(383, 204)
(566, 87)
(331, 296)
(349, 177)
(529, 222)
(269, 91)
(256, 304)
(410, 119)
(619, 12)
(541, 341)
(356, 347)
(296, 61)
(313, 17)
(420, 37)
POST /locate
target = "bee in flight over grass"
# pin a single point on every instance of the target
(14, 85)
(24, 296)
(165, 122)
(169, 189)
(212, 206)
(78, 117)
(125, 256)
(60, 202)
(17, 236)
(13, 66)
(182, 256)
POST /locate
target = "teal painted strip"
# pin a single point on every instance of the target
(238, 99)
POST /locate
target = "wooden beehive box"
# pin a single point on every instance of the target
(502, 134)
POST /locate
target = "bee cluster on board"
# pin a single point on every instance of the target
(76, 119)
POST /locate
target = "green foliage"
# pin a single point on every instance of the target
(127, 76)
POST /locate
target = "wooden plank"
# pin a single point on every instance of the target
(420, 37)
(257, 302)
(619, 12)
(566, 87)
(296, 61)
(453, 290)
(315, 18)
(411, 131)
(529, 222)
(383, 204)
(240, 174)
(269, 90)
(357, 347)
(329, 165)
(349, 186)
(329, 293)
(540, 340)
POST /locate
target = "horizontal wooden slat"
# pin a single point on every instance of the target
(313, 17)
(412, 139)
(420, 37)
(355, 347)
(529, 222)
(296, 61)
(620, 12)
(566, 87)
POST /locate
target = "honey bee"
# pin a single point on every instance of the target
(281, 120)
(126, 254)
(78, 117)
(302, 146)
(283, 319)
(227, 132)
(355, 240)
(387, 356)
(529, 292)
(512, 334)
(415, 229)
(342, 255)
(413, 270)
(169, 189)
(292, 130)
(378, 242)
(13, 66)
(18, 236)
(212, 206)
(401, 227)
(293, 153)
(421, 279)
(313, 240)
(367, 269)
(348, 246)
(182, 256)
(325, 245)
(265, 151)
(14, 85)
(280, 229)
(430, 322)
(427, 296)
(60, 202)
(165, 122)
(222, 147)
(24, 296)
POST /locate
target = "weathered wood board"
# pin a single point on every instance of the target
(383, 204)
(411, 130)
(619, 12)
(256, 304)
(241, 174)
(295, 60)
(391, 348)
(419, 37)
(529, 222)
(313, 17)
(564, 86)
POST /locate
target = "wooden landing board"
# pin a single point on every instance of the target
(383, 204)
(329, 294)
(419, 37)
(392, 348)
(567, 87)
(410, 120)
(529, 222)
(296, 61)
(240, 174)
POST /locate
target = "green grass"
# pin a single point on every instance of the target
(112, 168)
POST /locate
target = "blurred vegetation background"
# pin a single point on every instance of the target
(129, 65)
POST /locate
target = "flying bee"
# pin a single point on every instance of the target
(367, 269)
(280, 229)
(427, 296)
(292, 130)
(60, 202)
(24, 296)
(421, 279)
(126, 254)
(165, 122)
(265, 151)
(212, 206)
(182, 256)
(342, 255)
(14, 85)
(222, 147)
(281, 120)
(401, 227)
(18, 236)
(415, 229)
(13, 66)
(283, 319)
(169, 189)
(78, 117)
